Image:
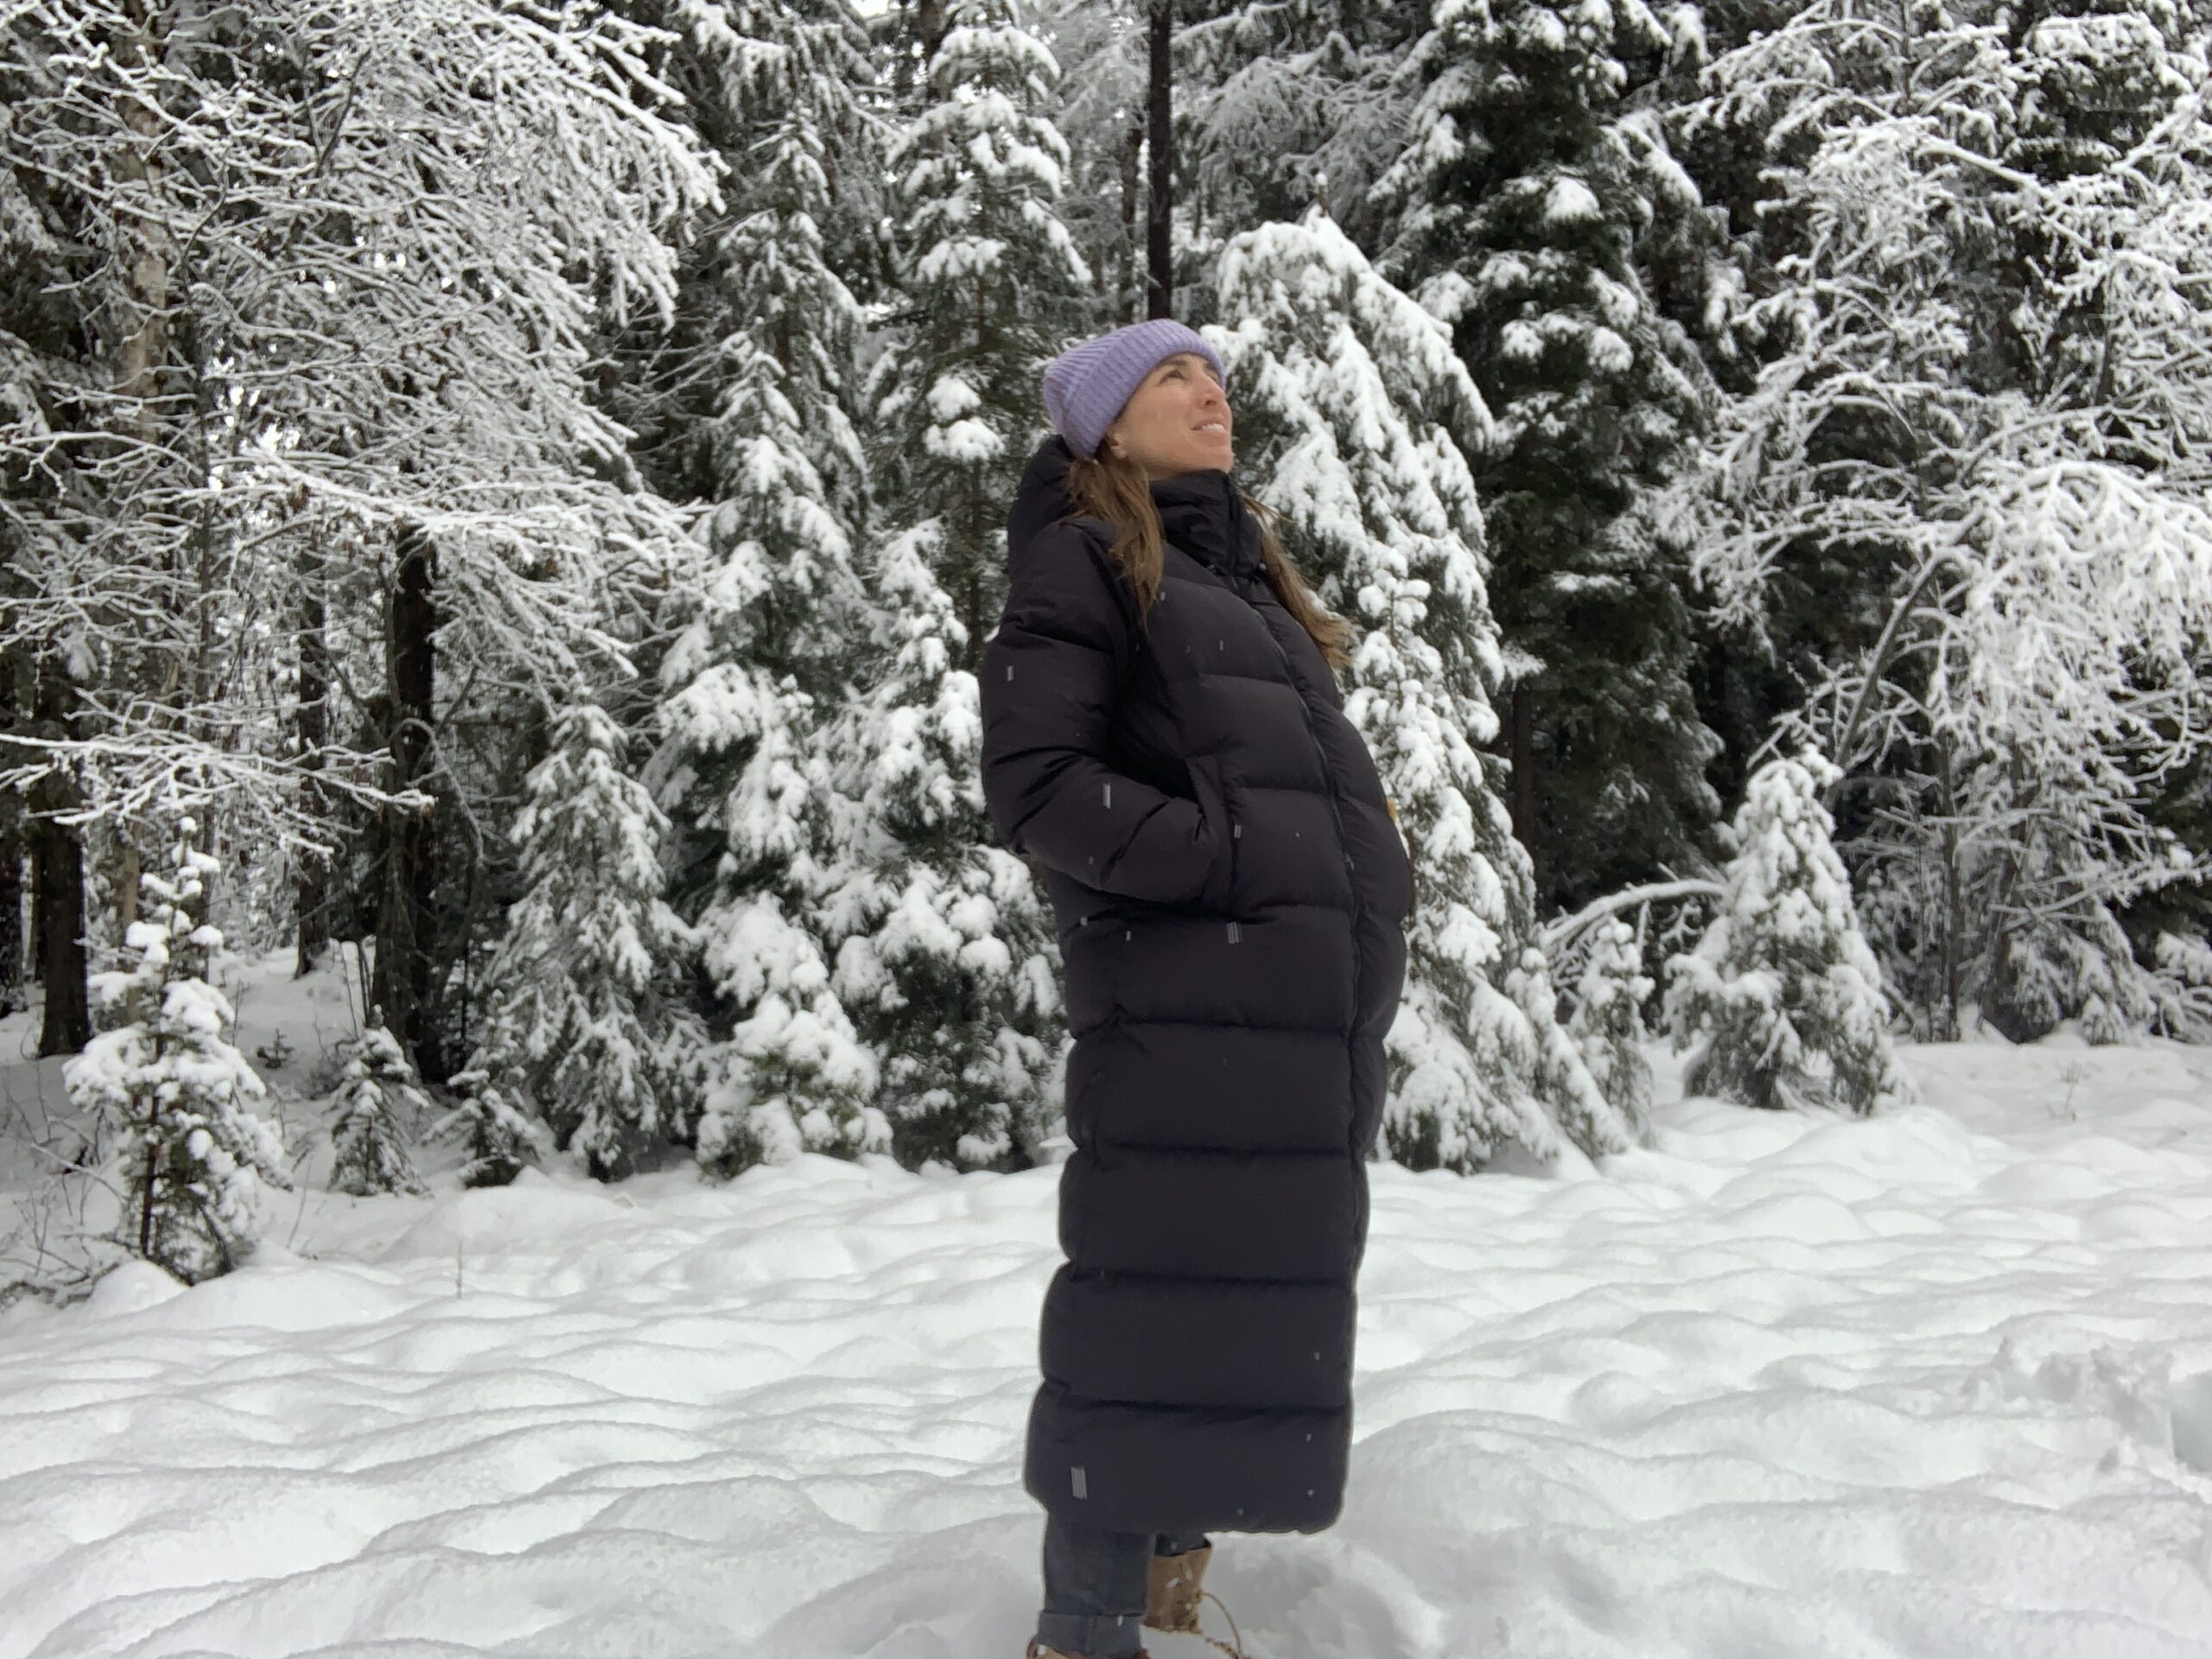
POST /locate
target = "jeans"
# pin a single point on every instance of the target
(1095, 1586)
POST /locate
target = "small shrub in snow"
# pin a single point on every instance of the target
(326, 1071)
(497, 1135)
(170, 1093)
(2185, 1011)
(277, 1053)
(1783, 996)
(378, 1098)
(1608, 1020)
(794, 1075)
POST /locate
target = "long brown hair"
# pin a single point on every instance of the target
(1115, 488)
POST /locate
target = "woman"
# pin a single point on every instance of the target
(1164, 737)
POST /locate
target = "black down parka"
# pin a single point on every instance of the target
(1231, 895)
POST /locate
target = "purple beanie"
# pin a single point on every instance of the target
(1086, 385)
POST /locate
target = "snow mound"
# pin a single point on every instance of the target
(132, 1288)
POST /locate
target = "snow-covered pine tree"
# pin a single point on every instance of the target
(1283, 100)
(493, 1129)
(992, 282)
(2099, 78)
(1354, 419)
(584, 1023)
(1520, 201)
(776, 90)
(1608, 1018)
(1103, 48)
(378, 1106)
(1783, 996)
(765, 648)
(948, 967)
(946, 961)
(171, 1094)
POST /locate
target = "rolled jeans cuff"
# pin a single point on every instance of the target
(1092, 1635)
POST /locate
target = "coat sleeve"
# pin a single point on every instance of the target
(1050, 676)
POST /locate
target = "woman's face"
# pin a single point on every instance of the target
(1176, 421)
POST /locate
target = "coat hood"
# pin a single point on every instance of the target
(1041, 499)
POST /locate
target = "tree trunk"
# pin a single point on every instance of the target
(311, 887)
(405, 945)
(1159, 290)
(931, 18)
(1126, 280)
(57, 887)
(1520, 755)
(58, 921)
(14, 846)
(11, 920)
(142, 347)
(1954, 911)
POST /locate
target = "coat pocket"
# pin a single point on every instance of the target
(1211, 791)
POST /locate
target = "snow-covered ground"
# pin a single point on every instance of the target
(1938, 1384)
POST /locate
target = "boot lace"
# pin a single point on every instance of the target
(1234, 1648)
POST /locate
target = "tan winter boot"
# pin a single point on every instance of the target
(1174, 1591)
(1038, 1650)
(1172, 1598)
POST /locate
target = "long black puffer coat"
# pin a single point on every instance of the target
(1230, 895)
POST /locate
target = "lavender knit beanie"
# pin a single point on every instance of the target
(1086, 385)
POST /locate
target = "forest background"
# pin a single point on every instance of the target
(511, 495)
